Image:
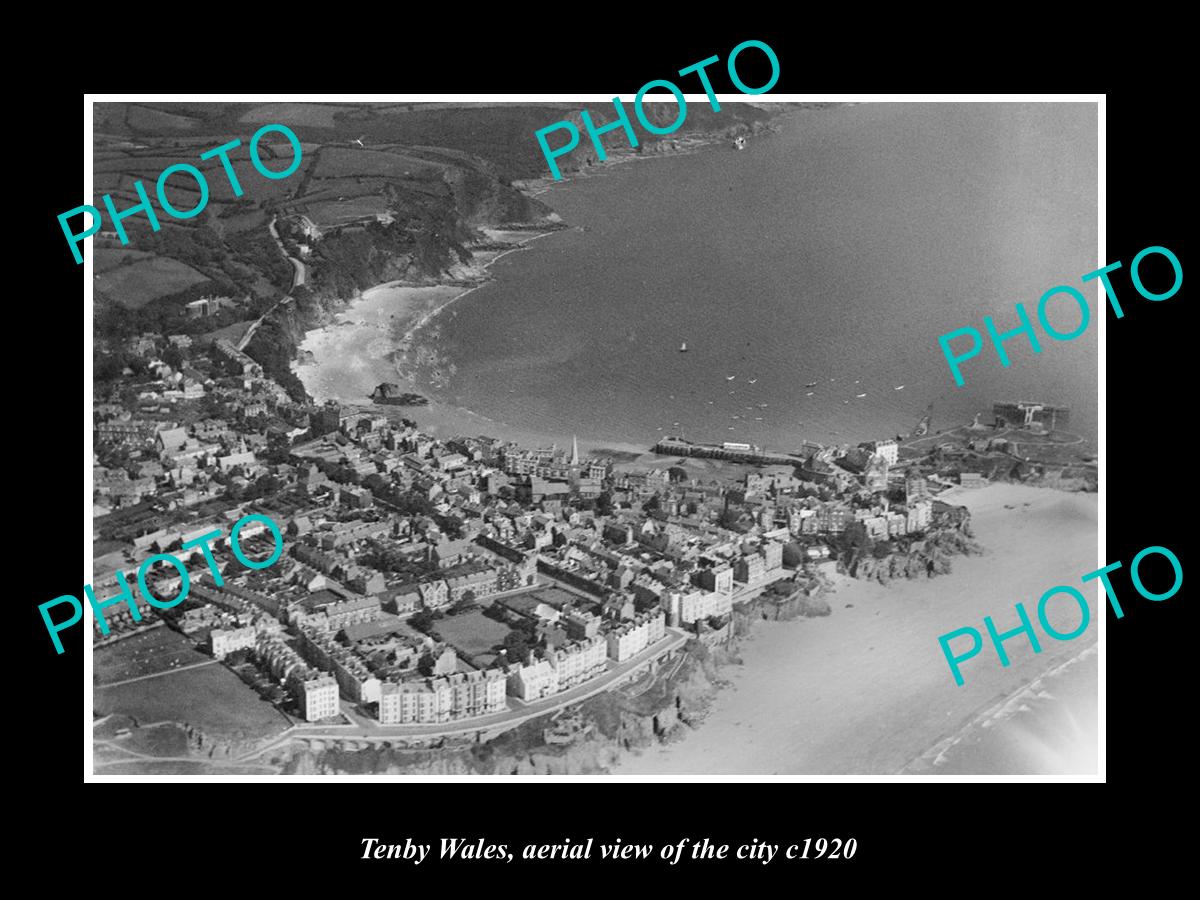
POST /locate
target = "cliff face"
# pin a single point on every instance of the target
(428, 241)
(925, 558)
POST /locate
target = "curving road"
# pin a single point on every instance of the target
(301, 272)
(370, 730)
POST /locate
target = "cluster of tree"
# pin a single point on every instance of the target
(272, 347)
(262, 685)
(423, 620)
(260, 488)
(730, 518)
(604, 504)
(522, 638)
(465, 603)
(111, 366)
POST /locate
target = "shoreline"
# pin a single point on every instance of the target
(1011, 705)
(422, 305)
(335, 366)
(866, 690)
(482, 277)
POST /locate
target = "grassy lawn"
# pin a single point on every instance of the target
(144, 654)
(140, 282)
(471, 633)
(211, 699)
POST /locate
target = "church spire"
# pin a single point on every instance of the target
(574, 450)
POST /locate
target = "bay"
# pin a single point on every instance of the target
(835, 252)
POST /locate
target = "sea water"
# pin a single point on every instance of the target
(834, 252)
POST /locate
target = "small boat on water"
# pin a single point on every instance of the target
(754, 381)
(683, 347)
(860, 396)
(898, 388)
(809, 394)
(811, 384)
(730, 377)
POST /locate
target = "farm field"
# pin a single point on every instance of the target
(144, 654)
(106, 258)
(144, 280)
(211, 699)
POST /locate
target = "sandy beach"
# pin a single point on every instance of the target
(867, 690)
(356, 351)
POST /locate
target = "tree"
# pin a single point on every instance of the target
(516, 643)
(238, 657)
(173, 357)
(422, 621)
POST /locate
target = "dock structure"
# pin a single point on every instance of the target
(744, 453)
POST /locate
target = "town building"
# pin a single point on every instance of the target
(223, 641)
(631, 638)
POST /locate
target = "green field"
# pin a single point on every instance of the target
(110, 257)
(151, 651)
(335, 161)
(138, 283)
(317, 115)
(210, 698)
(471, 633)
(326, 215)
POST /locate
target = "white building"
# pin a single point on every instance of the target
(224, 641)
(318, 697)
(533, 681)
(631, 638)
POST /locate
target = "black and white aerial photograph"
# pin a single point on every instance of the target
(475, 438)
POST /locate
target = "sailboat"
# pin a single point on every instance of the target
(683, 347)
